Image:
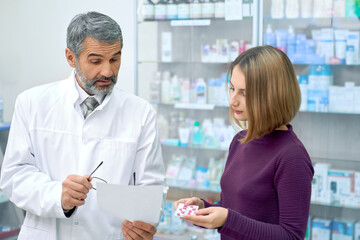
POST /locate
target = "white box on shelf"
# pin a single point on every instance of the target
(166, 47)
(341, 187)
(357, 231)
(342, 230)
(321, 229)
(320, 190)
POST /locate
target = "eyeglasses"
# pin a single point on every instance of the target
(90, 178)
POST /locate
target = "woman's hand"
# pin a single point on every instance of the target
(190, 201)
(211, 217)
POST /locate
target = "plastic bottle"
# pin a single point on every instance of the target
(185, 90)
(163, 126)
(196, 134)
(195, 9)
(1, 110)
(184, 130)
(277, 8)
(173, 126)
(303, 83)
(201, 91)
(219, 9)
(175, 89)
(207, 9)
(208, 134)
(291, 42)
(155, 88)
(183, 9)
(171, 10)
(165, 88)
(269, 36)
(292, 9)
(193, 86)
(325, 81)
(313, 89)
(160, 10)
(148, 10)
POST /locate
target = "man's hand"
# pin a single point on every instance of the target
(212, 217)
(74, 191)
(138, 230)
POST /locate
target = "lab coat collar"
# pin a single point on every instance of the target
(75, 96)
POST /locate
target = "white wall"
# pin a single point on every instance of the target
(33, 42)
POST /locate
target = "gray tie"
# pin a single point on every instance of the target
(90, 103)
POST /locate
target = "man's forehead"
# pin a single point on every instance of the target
(93, 46)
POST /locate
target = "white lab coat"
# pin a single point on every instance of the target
(49, 139)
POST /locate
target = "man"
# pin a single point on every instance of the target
(61, 131)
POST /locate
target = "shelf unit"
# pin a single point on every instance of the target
(11, 216)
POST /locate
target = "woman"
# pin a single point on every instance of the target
(266, 184)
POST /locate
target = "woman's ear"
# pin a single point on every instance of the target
(70, 57)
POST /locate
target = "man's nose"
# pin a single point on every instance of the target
(106, 70)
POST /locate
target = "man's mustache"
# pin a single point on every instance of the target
(112, 78)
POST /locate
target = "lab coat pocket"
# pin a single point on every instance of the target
(116, 236)
(118, 156)
(30, 233)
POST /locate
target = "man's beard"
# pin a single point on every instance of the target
(90, 86)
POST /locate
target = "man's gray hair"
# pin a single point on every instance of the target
(95, 25)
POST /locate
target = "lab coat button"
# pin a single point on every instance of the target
(76, 223)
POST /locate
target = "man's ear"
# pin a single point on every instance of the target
(70, 57)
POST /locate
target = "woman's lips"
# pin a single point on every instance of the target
(236, 111)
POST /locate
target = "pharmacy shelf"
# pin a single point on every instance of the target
(192, 22)
(335, 205)
(192, 188)
(180, 62)
(193, 106)
(340, 113)
(4, 126)
(164, 143)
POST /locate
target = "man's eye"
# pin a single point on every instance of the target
(113, 60)
(95, 62)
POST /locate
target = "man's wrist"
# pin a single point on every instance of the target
(69, 212)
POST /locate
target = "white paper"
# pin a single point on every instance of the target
(133, 203)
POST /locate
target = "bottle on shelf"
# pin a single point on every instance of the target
(207, 9)
(219, 11)
(195, 9)
(183, 9)
(184, 130)
(173, 126)
(165, 88)
(196, 135)
(291, 42)
(175, 89)
(208, 134)
(292, 9)
(277, 9)
(148, 10)
(185, 90)
(269, 36)
(163, 126)
(306, 8)
(155, 88)
(171, 10)
(201, 91)
(160, 10)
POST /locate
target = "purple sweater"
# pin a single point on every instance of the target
(266, 185)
